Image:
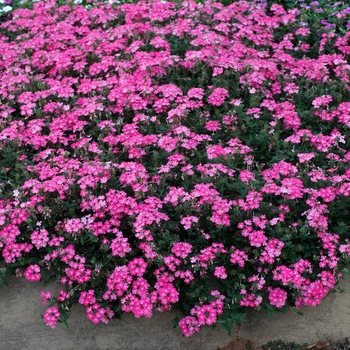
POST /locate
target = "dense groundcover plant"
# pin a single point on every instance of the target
(159, 155)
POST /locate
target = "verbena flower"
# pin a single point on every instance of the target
(149, 148)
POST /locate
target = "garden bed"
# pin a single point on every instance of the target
(167, 155)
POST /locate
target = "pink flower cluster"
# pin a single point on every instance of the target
(32, 273)
(51, 316)
(203, 314)
(134, 189)
(277, 297)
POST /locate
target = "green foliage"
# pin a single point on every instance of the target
(3, 273)
(264, 133)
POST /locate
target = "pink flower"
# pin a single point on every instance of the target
(292, 188)
(322, 101)
(218, 96)
(215, 151)
(128, 173)
(51, 316)
(181, 249)
(97, 314)
(251, 300)
(137, 267)
(277, 297)
(171, 262)
(32, 273)
(246, 176)
(220, 272)
(63, 296)
(212, 126)
(120, 246)
(187, 275)
(195, 93)
(189, 326)
(45, 296)
(40, 238)
(238, 257)
(304, 157)
(188, 220)
(87, 298)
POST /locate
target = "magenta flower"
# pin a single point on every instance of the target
(148, 147)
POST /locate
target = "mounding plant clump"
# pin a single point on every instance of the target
(160, 155)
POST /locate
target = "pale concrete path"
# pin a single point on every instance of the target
(21, 326)
(328, 321)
